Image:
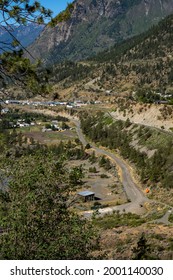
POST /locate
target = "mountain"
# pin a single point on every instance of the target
(94, 25)
(26, 34)
(143, 64)
(145, 61)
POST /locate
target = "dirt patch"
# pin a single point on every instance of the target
(152, 115)
(105, 184)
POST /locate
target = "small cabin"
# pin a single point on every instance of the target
(87, 195)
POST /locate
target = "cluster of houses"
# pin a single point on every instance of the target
(74, 104)
(45, 103)
(21, 123)
(34, 103)
(54, 126)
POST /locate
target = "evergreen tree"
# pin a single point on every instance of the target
(142, 250)
(14, 67)
(35, 214)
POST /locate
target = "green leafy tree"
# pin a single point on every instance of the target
(76, 174)
(35, 214)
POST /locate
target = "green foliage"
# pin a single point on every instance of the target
(101, 31)
(14, 115)
(147, 96)
(20, 11)
(18, 70)
(48, 126)
(129, 3)
(116, 219)
(103, 176)
(105, 162)
(171, 218)
(15, 68)
(143, 61)
(65, 126)
(142, 250)
(76, 175)
(35, 214)
(64, 15)
(88, 146)
(102, 161)
(93, 169)
(157, 168)
(142, 45)
(93, 157)
(70, 72)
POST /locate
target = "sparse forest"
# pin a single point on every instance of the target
(116, 136)
(37, 192)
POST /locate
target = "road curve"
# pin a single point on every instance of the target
(134, 194)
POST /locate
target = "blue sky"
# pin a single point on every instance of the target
(55, 5)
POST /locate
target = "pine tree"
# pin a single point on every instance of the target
(35, 214)
(142, 250)
(14, 67)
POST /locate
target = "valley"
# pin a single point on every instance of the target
(148, 149)
(118, 186)
(86, 132)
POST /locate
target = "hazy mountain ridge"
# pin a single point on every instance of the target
(26, 34)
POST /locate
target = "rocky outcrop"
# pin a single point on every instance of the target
(95, 25)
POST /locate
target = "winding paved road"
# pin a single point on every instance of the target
(134, 194)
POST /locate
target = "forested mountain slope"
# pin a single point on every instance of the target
(94, 25)
(143, 63)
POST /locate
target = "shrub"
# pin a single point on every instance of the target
(93, 169)
(88, 146)
(104, 176)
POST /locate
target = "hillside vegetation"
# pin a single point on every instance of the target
(91, 26)
(143, 64)
(150, 150)
(144, 61)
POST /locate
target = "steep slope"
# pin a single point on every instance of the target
(94, 25)
(145, 61)
(143, 64)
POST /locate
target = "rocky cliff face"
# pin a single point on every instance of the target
(95, 25)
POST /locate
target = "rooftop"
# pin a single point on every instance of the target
(86, 193)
